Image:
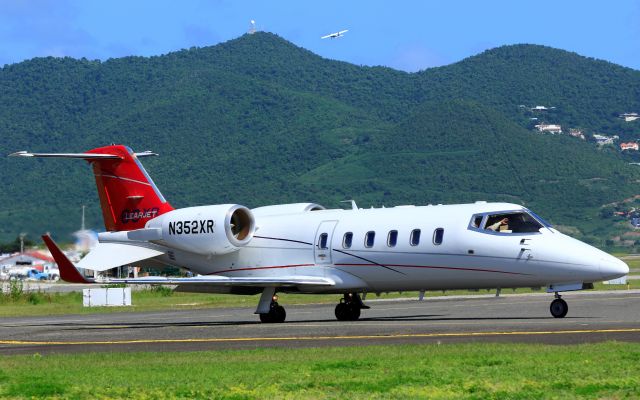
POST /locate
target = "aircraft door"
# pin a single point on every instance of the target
(323, 246)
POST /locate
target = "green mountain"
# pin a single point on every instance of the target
(258, 120)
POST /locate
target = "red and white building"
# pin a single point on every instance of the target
(629, 146)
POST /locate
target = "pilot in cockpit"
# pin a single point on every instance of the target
(499, 225)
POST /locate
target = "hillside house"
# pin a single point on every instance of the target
(549, 128)
(541, 108)
(576, 133)
(628, 117)
(603, 140)
(629, 146)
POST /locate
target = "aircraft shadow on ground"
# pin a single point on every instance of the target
(155, 325)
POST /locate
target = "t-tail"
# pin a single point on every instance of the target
(128, 196)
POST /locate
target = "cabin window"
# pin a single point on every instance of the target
(322, 243)
(414, 240)
(438, 236)
(369, 239)
(347, 240)
(512, 222)
(392, 238)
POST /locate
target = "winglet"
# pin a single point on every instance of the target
(68, 272)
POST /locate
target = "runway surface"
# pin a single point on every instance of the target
(592, 317)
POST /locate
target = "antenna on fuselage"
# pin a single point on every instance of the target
(354, 206)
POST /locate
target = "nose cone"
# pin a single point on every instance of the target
(612, 268)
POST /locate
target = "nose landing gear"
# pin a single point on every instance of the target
(559, 307)
(349, 307)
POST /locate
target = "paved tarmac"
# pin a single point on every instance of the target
(592, 317)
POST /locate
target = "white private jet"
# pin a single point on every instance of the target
(306, 248)
(335, 35)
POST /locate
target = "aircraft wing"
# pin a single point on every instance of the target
(69, 273)
(335, 34)
(219, 280)
(111, 255)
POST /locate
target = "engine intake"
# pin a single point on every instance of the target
(207, 230)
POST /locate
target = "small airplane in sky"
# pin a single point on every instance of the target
(305, 248)
(335, 35)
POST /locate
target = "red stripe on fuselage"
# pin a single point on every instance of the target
(433, 267)
(374, 265)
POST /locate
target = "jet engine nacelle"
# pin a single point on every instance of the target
(207, 230)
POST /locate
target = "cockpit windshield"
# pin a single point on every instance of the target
(506, 222)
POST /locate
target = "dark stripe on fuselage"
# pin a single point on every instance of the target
(436, 267)
(371, 263)
(375, 265)
(339, 251)
(284, 240)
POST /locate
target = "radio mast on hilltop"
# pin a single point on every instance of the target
(252, 27)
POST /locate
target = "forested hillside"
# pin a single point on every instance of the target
(258, 120)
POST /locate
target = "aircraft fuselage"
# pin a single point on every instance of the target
(376, 250)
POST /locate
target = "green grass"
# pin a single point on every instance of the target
(463, 371)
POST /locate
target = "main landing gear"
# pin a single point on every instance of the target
(276, 313)
(349, 307)
(268, 308)
(559, 307)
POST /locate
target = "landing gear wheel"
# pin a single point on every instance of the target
(349, 308)
(347, 312)
(276, 314)
(354, 313)
(559, 308)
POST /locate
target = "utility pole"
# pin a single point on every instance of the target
(22, 235)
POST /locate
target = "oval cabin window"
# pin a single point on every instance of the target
(392, 239)
(347, 240)
(415, 237)
(369, 239)
(438, 236)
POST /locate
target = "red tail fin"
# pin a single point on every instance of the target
(128, 196)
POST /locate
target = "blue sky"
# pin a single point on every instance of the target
(406, 35)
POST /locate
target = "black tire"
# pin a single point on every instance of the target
(266, 318)
(347, 312)
(559, 308)
(354, 313)
(279, 314)
(342, 312)
(276, 314)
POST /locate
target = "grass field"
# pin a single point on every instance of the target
(465, 371)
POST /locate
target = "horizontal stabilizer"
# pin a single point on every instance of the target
(84, 156)
(111, 255)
